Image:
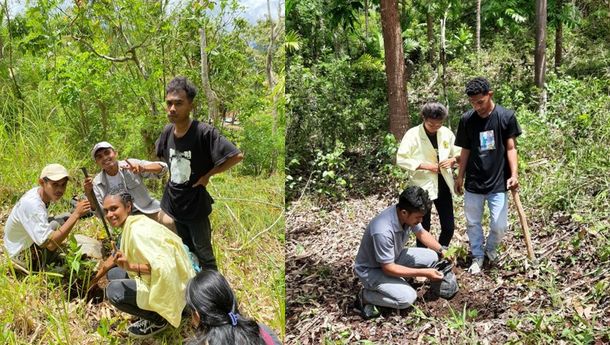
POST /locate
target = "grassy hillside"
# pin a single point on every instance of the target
(248, 235)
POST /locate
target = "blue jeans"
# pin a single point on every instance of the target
(498, 222)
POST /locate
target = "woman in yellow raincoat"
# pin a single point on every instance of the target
(153, 269)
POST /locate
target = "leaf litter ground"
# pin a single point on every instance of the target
(504, 304)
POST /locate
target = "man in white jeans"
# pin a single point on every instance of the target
(383, 262)
(488, 160)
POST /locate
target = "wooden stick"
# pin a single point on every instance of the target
(524, 226)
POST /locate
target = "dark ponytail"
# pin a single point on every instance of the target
(210, 295)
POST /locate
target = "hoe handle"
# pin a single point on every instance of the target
(524, 226)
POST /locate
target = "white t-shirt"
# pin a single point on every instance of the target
(28, 223)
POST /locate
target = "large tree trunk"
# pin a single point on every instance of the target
(210, 95)
(478, 30)
(539, 57)
(430, 33)
(394, 68)
(559, 36)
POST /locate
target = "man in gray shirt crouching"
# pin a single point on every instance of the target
(383, 262)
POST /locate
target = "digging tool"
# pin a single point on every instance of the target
(94, 290)
(524, 226)
(100, 213)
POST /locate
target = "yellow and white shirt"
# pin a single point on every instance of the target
(415, 148)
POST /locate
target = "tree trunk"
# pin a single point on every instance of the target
(430, 32)
(394, 68)
(11, 71)
(269, 67)
(366, 19)
(478, 32)
(1, 39)
(210, 95)
(539, 57)
(443, 59)
(559, 36)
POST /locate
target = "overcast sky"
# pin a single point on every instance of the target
(255, 9)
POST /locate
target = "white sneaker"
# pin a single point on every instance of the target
(476, 266)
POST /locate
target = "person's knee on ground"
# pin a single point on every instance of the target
(401, 299)
(406, 300)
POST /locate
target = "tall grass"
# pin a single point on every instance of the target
(248, 238)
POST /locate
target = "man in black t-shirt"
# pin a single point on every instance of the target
(194, 152)
(487, 135)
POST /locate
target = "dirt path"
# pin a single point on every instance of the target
(503, 304)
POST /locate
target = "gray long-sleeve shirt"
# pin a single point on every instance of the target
(126, 180)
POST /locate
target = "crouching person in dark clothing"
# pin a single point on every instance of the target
(383, 262)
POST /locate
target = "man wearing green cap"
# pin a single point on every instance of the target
(30, 237)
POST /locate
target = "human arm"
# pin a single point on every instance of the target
(59, 235)
(511, 153)
(459, 181)
(429, 241)
(90, 192)
(145, 168)
(448, 163)
(384, 249)
(226, 165)
(396, 270)
(121, 261)
(409, 154)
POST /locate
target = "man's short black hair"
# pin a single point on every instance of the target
(477, 86)
(181, 83)
(414, 199)
(434, 111)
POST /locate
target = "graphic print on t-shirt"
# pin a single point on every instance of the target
(116, 184)
(487, 140)
(180, 163)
